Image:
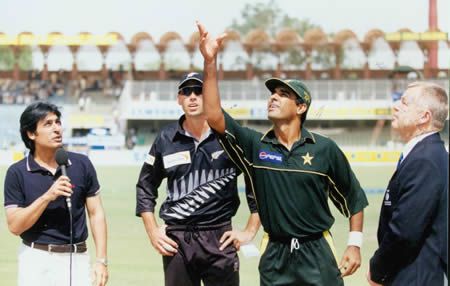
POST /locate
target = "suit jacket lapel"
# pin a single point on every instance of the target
(432, 139)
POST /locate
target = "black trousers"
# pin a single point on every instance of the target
(199, 258)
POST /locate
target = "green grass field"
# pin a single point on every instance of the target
(133, 261)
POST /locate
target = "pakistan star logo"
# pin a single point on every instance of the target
(307, 159)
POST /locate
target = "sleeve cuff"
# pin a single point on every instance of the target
(376, 277)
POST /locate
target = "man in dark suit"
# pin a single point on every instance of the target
(412, 232)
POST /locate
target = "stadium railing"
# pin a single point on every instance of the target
(255, 90)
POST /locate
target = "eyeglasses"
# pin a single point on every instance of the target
(188, 90)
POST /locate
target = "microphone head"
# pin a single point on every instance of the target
(61, 157)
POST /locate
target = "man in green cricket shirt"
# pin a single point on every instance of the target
(292, 172)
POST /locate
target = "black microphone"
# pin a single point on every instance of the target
(62, 159)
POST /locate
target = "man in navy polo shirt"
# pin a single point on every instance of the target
(36, 209)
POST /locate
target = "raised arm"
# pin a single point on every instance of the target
(211, 100)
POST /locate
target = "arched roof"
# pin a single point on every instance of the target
(395, 45)
(84, 33)
(194, 39)
(372, 35)
(24, 34)
(315, 37)
(403, 30)
(45, 47)
(139, 37)
(342, 36)
(118, 36)
(168, 37)
(21, 37)
(231, 36)
(257, 39)
(192, 44)
(54, 36)
(288, 37)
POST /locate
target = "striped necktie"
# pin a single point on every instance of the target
(400, 160)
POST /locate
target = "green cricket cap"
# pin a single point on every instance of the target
(298, 87)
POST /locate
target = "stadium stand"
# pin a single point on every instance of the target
(352, 112)
(351, 103)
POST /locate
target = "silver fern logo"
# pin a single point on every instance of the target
(195, 190)
(216, 155)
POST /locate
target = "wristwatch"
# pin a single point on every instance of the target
(103, 261)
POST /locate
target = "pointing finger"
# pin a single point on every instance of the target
(201, 28)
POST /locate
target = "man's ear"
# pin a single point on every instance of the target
(180, 100)
(426, 117)
(301, 108)
(31, 135)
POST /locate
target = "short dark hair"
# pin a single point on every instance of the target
(30, 118)
(298, 100)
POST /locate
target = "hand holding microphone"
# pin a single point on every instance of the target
(62, 185)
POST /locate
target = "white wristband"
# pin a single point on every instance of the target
(355, 238)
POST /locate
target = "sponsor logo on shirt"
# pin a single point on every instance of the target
(175, 159)
(387, 199)
(270, 157)
(150, 159)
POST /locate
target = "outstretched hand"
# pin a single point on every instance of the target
(209, 47)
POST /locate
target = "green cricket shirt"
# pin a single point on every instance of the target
(292, 187)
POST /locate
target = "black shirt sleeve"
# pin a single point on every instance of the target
(150, 178)
(13, 190)
(92, 184)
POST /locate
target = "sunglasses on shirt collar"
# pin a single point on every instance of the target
(188, 90)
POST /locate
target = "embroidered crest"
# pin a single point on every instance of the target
(307, 159)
